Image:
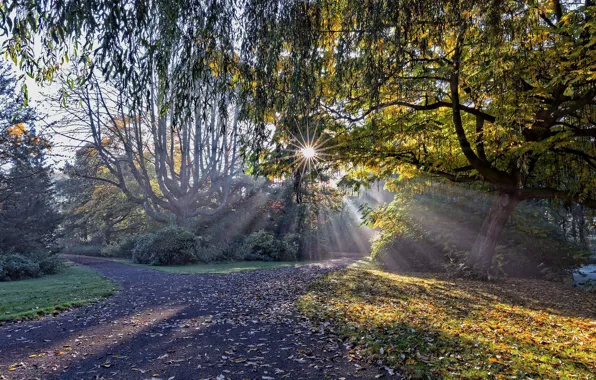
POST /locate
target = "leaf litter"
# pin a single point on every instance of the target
(241, 325)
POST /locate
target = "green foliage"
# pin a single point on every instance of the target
(431, 224)
(209, 253)
(93, 210)
(13, 115)
(292, 245)
(49, 263)
(262, 245)
(72, 31)
(234, 250)
(29, 216)
(28, 210)
(17, 267)
(14, 266)
(122, 249)
(169, 246)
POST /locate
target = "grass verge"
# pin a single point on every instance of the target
(75, 286)
(221, 268)
(426, 326)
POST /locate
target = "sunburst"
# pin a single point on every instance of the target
(309, 149)
(308, 152)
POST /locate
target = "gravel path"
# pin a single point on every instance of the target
(159, 325)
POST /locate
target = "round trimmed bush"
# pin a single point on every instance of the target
(17, 267)
(168, 246)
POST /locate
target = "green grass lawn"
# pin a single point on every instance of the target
(231, 267)
(430, 326)
(76, 285)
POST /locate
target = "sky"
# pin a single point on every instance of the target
(47, 111)
(40, 99)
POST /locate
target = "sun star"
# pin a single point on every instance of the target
(308, 152)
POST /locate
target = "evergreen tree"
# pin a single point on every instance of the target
(28, 217)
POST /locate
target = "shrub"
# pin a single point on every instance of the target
(14, 266)
(209, 254)
(141, 253)
(110, 250)
(122, 248)
(49, 263)
(262, 245)
(85, 249)
(234, 251)
(169, 246)
(17, 267)
(292, 247)
(408, 251)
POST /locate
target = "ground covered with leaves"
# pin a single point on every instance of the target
(169, 326)
(75, 286)
(430, 326)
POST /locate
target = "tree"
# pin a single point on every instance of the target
(28, 215)
(179, 43)
(172, 159)
(499, 91)
(95, 209)
(14, 116)
(495, 92)
(157, 91)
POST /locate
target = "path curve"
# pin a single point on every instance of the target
(159, 325)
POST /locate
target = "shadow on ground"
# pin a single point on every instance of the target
(239, 325)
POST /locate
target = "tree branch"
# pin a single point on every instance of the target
(549, 193)
(418, 107)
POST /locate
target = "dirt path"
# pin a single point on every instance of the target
(159, 325)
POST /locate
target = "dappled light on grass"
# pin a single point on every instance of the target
(429, 326)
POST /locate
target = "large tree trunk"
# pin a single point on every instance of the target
(483, 250)
(181, 219)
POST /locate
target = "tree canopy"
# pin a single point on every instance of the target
(495, 92)
(500, 92)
